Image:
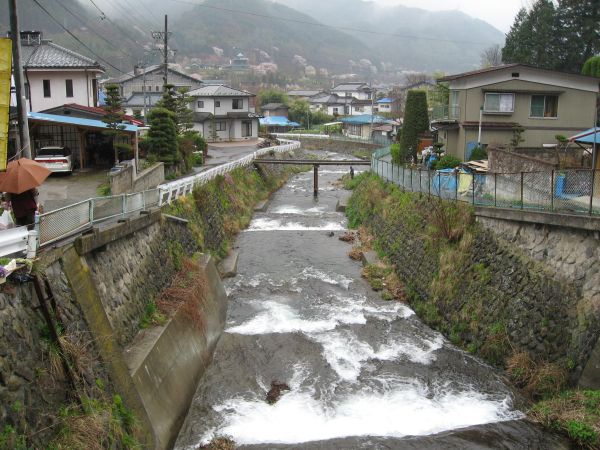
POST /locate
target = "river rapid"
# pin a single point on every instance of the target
(363, 372)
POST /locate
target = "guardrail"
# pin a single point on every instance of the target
(71, 220)
(335, 137)
(574, 192)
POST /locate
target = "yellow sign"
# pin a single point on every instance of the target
(5, 82)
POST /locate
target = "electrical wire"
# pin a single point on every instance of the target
(75, 37)
(118, 27)
(322, 25)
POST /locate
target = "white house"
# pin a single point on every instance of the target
(358, 90)
(55, 75)
(222, 113)
(336, 105)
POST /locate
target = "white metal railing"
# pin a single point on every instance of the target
(73, 219)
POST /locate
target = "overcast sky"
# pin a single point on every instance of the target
(499, 13)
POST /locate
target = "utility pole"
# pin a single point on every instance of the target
(19, 83)
(164, 37)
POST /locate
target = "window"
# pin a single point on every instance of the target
(356, 108)
(46, 88)
(336, 110)
(246, 128)
(454, 112)
(355, 130)
(157, 88)
(499, 103)
(238, 103)
(544, 106)
(220, 126)
(69, 87)
(217, 103)
(200, 103)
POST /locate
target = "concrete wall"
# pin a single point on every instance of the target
(503, 161)
(125, 181)
(569, 250)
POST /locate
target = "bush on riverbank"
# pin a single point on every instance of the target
(487, 298)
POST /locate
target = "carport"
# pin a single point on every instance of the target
(84, 137)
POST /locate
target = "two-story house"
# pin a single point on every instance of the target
(543, 103)
(55, 75)
(336, 105)
(358, 90)
(222, 113)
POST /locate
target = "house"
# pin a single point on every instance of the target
(388, 105)
(137, 101)
(150, 80)
(239, 64)
(222, 113)
(275, 110)
(335, 105)
(367, 126)
(87, 112)
(56, 75)
(542, 103)
(358, 90)
(304, 94)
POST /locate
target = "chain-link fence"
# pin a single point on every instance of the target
(574, 191)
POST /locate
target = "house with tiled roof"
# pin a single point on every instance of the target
(88, 112)
(150, 80)
(56, 75)
(336, 105)
(222, 113)
(499, 100)
(356, 89)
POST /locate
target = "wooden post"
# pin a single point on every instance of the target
(316, 180)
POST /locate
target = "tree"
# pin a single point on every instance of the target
(168, 99)
(416, 121)
(533, 37)
(491, 56)
(578, 30)
(113, 118)
(300, 112)
(272, 96)
(162, 136)
(592, 67)
(184, 116)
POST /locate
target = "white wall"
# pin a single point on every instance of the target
(154, 83)
(225, 107)
(83, 94)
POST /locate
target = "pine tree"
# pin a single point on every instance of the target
(162, 136)
(532, 39)
(416, 121)
(113, 118)
(168, 99)
(579, 32)
(184, 116)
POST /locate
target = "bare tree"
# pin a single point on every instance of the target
(491, 56)
(416, 78)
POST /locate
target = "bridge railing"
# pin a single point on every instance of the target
(74, 219)
(575, 191)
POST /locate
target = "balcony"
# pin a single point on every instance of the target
(445, 113)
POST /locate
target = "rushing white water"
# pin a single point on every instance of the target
(356, 364)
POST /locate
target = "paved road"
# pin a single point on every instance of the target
(62, 190)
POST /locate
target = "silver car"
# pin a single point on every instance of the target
(55, 158)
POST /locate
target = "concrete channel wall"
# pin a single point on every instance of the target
(569, 248)
(102, 284)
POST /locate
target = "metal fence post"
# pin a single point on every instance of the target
(455, 185)
(592, 193)
(522, 190)
(123, 205)
(439, 185)
(429, 183)
(473, 184)
(91, 210)
(420, 188)
(495, 189)
(552, 190)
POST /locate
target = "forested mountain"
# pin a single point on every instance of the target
(410, 38)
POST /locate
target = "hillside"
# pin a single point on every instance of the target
(202, 28)
(421, 36)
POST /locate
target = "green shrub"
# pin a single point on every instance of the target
(399, 156)
(447, 162)
(478, 153)
(582, 433)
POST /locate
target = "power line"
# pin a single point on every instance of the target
(118, 27)
(83, 21)
(75, 37)
(322, 25)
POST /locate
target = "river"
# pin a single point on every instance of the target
(362, 372)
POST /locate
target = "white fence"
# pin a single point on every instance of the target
(74, 219)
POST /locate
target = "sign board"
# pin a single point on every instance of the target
(5, 81)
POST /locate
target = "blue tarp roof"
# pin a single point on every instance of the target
(68, 120)
(386, 100)
(587, 137)
(366, 119)
(278, 121)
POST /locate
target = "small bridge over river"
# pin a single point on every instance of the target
(316, 163)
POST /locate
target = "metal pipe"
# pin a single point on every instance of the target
(316, 180)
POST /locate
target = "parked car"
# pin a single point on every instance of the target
(55, 158)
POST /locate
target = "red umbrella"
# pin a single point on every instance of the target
(21, 175)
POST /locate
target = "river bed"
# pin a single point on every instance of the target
(362, 372)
